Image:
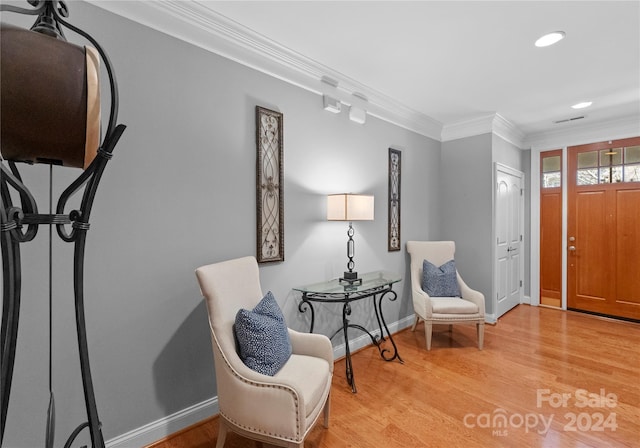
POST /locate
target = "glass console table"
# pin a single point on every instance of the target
(375, 286)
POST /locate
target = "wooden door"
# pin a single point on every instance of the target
(603, 274)
(508, 219)
(551, 228)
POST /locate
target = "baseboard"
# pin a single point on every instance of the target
(526, 300)
(490, 318)
(154, 431)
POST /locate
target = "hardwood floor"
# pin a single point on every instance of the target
(552, 378)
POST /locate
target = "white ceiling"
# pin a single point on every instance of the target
(454, 61)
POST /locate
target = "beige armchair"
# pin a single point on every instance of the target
(279, 409)
(469, 308)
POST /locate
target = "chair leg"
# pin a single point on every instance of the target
(428, 326)
(292, 445)
(415, 323)
(222, 433)
(480, 328)
(327, 411)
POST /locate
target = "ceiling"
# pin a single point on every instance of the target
(454, 61)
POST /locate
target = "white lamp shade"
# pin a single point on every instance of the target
(349, 207)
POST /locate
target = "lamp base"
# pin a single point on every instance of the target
(350, 278)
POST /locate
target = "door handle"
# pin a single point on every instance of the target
(572, 248)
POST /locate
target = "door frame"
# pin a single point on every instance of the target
(494, 290)
(614, 130)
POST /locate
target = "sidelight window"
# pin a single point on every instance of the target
(551, 172)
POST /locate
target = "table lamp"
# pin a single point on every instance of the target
(350, 207)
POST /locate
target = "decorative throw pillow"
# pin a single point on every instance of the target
(263, 338)
(440, 281)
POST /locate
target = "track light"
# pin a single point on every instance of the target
(331, 104)
(357, 115)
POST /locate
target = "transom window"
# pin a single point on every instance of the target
(551, 172)
(607, 166)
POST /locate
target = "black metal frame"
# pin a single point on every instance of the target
(269, 187)
(393, 230)
(350, 277)
(377, 294)
(13, 219)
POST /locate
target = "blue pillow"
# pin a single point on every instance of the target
(263, 338)
(440, 281)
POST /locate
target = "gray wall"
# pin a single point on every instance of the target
(180, 193)
(468, 201)
(506, 153)
(467, 216)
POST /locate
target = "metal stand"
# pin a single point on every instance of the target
(376, 295)
(350, 276)
(14, 219)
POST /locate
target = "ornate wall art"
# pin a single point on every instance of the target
(395, 158)
(269, 185)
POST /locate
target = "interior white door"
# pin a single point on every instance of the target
(509, 236)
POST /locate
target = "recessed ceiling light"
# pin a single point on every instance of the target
(550, 39)
(582, 105)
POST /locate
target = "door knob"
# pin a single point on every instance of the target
(572, 248)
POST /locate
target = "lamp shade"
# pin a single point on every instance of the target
(349, 207)
(49, 99)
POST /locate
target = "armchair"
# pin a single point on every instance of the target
(469, 308)
(279, 409)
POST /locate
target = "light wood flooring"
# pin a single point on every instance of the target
(457, 396)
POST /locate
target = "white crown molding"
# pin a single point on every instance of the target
(508, 131)
(193, 22)
(479, 125)
(586, 133)
(484, 124)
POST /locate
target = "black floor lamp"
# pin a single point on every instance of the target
(50, 113)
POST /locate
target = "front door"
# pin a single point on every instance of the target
(604, 228)
(508, 225)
